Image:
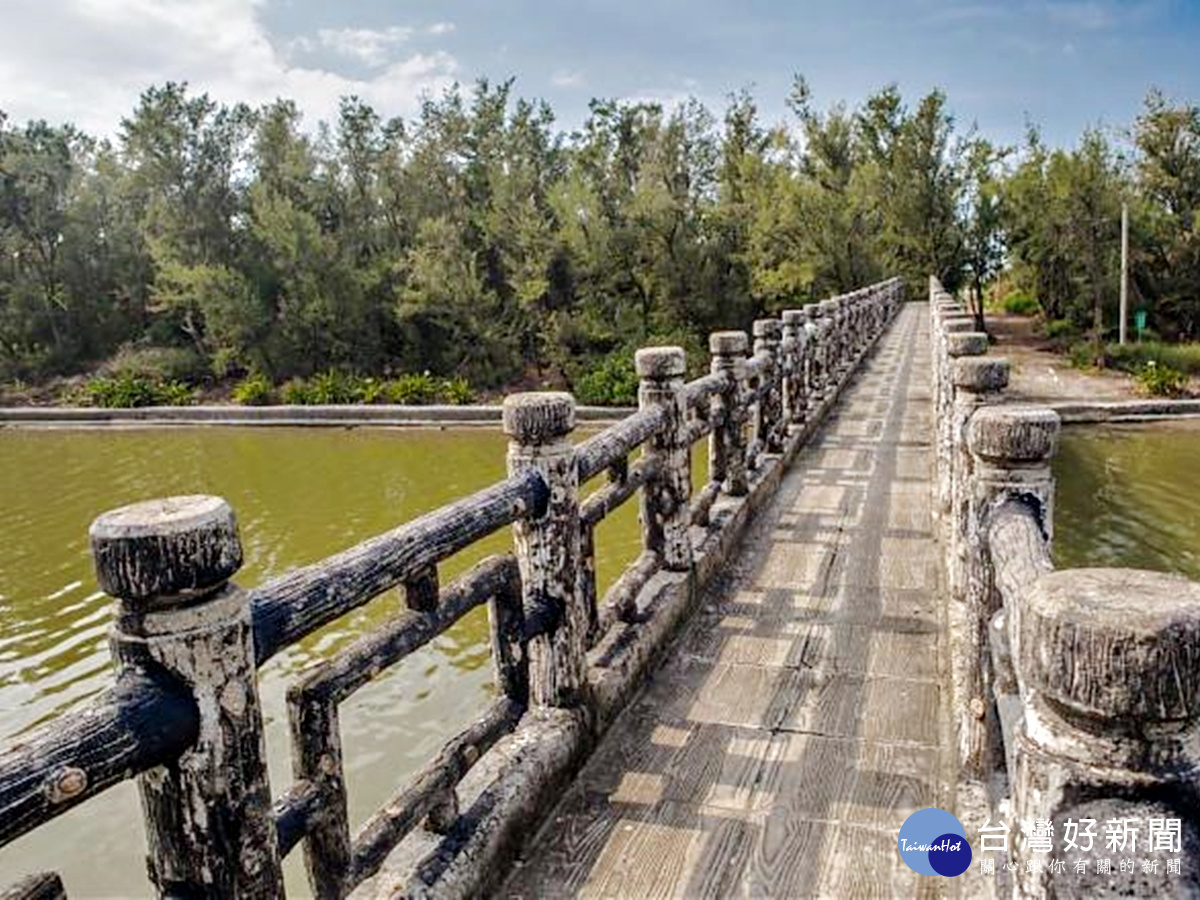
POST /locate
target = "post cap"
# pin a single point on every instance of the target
(792, 317)
(171, 547)
(966, 343)
(538, 417)
(768, 328)
(958, 324)
(660, 362)
(1112, 643)
(980, 374)
(728, 343)
(1014, 434)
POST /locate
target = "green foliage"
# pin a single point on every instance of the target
(372, 390)
(295, 392)
(1061, 333)
(1134, 357)
(156, 364)
(476, 241)
(457, 392)
(612, 381)
(414, 390)
(254, 390)
(1019, 303)
(127, 391)
(1082, 355)
(332, 388)
(1161, 381)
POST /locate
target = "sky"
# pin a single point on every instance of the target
(1062, 64)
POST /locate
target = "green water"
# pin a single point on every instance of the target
(300, 495)
(1129, 496)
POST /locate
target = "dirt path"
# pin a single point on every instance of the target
(1039, 374)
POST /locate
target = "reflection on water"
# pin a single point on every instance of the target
(300, 495)
(1129, 496)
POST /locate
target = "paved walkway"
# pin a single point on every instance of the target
(799, 719)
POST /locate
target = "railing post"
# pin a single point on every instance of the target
(727, 443)
(1011, 449)
(539, 426)
(828, 343)
(208, 815)
(971, 383)
(795, 339)
(768, 334)
(943, 404)
(1111, 700)
(665, 513)
(812, 368)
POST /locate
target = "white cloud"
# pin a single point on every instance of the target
(364, 44)
(87, 61)
(564, 79)
(438, 28)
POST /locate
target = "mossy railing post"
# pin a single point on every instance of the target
(795, 393)
(812, 367)
(665, 510)
(1011, 449)
(768, 335)
(727, 443)
(208, 815)
(539, 427)
(859, 324)
(828, 340)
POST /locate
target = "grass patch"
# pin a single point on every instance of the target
(1133, 358)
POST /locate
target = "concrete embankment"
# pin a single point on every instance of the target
(328, 416)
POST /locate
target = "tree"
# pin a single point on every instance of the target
(983, 233)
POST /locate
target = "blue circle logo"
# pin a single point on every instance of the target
(933, 842)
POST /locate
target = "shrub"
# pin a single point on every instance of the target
(156, 364)
(1018, 303)
(1132, 357)
(1082, 355)
(413, 389)
(175, 393)
(1061, 333)
(130, 391)
(333, 388)
(296, 393)
(1161, 381)
(254, 390)
(457, 392)
(611, 382)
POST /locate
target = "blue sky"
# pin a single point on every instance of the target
(1064, 64)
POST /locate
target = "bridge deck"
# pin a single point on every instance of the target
(799, 719)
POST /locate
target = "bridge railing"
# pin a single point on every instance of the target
(1080, 688)
(184, 716)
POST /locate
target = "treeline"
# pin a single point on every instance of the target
(478, 241)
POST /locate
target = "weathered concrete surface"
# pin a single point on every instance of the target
(800, 718)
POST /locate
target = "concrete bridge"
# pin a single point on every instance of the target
(852, 619)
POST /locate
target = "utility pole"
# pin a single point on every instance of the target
(1124, 269)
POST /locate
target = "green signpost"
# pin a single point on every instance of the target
(1139, 321)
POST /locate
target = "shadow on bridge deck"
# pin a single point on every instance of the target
(799, 718)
